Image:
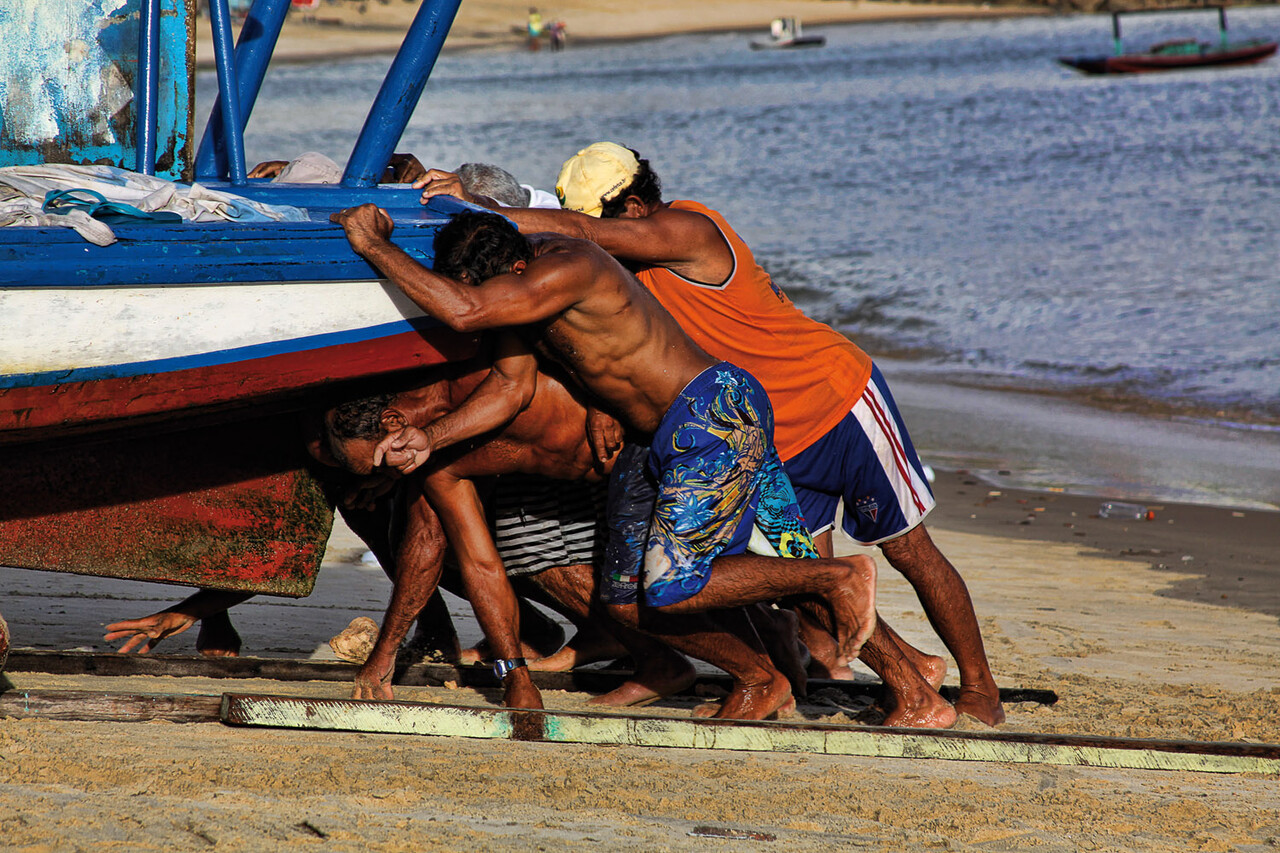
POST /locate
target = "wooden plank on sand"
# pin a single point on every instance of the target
(823, 739)
(96, 706)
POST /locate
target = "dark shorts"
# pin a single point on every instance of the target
(868, 461)
(709, 477)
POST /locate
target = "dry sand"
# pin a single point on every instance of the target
(1176, 644)
(342, 29)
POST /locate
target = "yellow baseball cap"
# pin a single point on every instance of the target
(594, 175)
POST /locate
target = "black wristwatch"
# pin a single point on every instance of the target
(502, 668)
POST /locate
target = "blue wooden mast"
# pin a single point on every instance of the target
(221, 152)
(400, 91)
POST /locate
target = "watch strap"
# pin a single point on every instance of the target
(503, 667)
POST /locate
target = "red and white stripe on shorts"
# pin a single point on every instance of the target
(883, 427)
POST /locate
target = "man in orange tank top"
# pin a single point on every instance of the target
(837, 428)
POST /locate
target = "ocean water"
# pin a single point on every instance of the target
(945, 193)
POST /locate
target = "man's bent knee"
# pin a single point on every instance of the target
(627, 614)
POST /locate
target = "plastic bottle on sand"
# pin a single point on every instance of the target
(1116, 509)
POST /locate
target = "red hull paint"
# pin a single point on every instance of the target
(228, 507)
(34, 413)
(1142, 63)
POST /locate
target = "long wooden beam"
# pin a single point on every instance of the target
(417, 675)
(97, 706)
(826, 739)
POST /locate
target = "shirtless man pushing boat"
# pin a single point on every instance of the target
(839, 432)
(712, 460)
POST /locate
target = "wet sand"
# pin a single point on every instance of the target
(1164, 628)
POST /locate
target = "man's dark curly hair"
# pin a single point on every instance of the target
(476, 246)
(645, 186)
(360, 418)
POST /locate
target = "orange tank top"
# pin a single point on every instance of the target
(813, 374)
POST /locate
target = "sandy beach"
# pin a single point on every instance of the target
(342, 29)
(1165, 628)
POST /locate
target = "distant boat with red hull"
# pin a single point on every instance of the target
(1176, 54)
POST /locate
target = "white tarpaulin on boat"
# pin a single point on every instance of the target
(23, 190)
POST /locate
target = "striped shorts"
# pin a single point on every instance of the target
(539, 523)
(867, 460)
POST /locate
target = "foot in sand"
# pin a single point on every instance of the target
(982, 703)
(779, 630)
(659, 676)
(587, 646)
(920, 709)
(771, 700)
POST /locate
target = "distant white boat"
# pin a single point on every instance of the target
(785, 33)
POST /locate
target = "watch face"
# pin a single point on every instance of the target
(502, 667)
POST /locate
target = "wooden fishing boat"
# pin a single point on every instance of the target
(151, 389)
(1175, 54)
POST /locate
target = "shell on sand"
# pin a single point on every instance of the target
(355, 643)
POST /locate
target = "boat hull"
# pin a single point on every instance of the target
(788, 44)
(152, 392)
(225, 506)
(1139, 63)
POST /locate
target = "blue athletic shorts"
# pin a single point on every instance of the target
(710, 474)
(868, 460)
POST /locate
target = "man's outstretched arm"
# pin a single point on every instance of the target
(418, 561)
(504, 300)
(684, 241)
(484, 577)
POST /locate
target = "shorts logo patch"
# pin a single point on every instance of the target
(867, 506)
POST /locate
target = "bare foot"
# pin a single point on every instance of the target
(924, 710)
(355, 643)
(657, 678)
(853, 606)
(218, 637)
(981, 703)
(4, 643)
(757, 701)
(779, 631)
(481, 653)
(587, 646)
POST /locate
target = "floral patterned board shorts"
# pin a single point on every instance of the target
(710, 475)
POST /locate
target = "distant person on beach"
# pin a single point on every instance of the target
(838, 429)
(533, 27)
(711, 464)
(557, 33)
